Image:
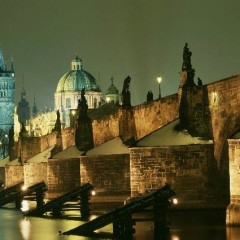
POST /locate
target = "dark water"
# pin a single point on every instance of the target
(185, 225)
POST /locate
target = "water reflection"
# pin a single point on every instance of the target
(174, 237)
(233, 233)
(25, 228)
(185, 225)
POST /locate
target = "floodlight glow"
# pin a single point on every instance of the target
(175, 201)
(24, 187)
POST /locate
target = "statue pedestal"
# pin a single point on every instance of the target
(233, 214)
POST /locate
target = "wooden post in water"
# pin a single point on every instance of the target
(18, 202)
(123, 228)
(84, 205)
(161, 228)
(57, 211)
(40, 197)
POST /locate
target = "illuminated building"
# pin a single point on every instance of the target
(7, 87)
(69, 89)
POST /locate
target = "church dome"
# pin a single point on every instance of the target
(77, 79)
(112, 89)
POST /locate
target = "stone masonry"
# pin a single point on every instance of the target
(233, 210)
(190, 169)
(109, 174)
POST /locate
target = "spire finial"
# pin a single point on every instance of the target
(112, 79)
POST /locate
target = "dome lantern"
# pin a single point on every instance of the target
(76, 63)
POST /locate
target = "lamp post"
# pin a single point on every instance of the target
(159, 79)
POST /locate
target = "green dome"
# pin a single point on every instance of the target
(112, 89)
(77, 79)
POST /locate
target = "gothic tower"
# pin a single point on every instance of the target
(7, 87)
(23, 109)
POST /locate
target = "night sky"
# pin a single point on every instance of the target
(140, 38)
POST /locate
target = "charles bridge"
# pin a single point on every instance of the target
(200, 174)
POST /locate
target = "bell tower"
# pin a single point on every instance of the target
(7, 87)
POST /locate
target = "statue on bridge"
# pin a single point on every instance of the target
(126, 100)
(83, 125)
(149, 96)
(186, 58)
(187, 67)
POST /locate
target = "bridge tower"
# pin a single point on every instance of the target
(7, 87)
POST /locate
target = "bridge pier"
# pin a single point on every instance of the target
(160, 218)
(40, 197)
(84, 204)
(233, 210)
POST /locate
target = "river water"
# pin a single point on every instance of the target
(185, 225)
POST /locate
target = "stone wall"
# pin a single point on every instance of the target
(109, 174)
(190, 169)
(194, 112)
(105, 129)
(35, 173)
(224, 99)
(31, 146)
(233, 210)
(63, 175)
(136, 122)
(213, 111)
(68, 138)
(13, 175)
(152, 115)
(2, 174)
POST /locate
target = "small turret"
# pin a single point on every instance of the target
(112, 94)
(76, 63)
(12, 69)
(34, 108)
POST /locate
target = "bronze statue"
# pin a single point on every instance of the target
(126, 99)
(126, 84)
(186, 58)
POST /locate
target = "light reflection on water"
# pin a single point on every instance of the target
(25, 228)
(189, 225)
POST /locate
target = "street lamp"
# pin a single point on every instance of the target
(159, 79)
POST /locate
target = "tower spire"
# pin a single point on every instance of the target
(23, 93)
(2, 62)
(12, 68)
(34, 109)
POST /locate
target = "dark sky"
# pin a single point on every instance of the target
(140, 38)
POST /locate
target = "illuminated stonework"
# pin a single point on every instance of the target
(233, 209)
(42, 124)
(69, 89)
